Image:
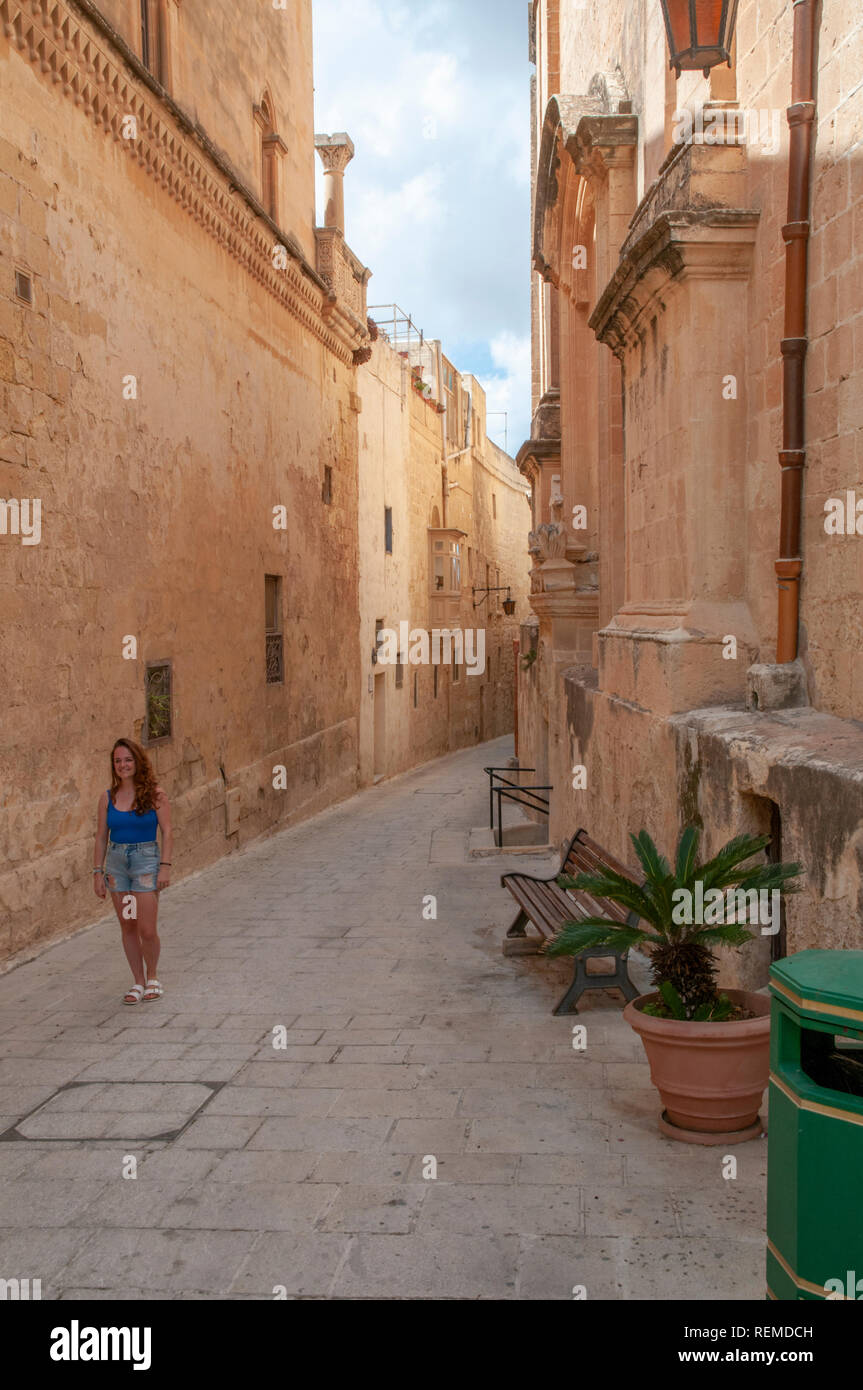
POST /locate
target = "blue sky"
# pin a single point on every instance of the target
(435, 95)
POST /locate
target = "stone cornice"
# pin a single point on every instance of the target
(712, 243)
(533, 453)
(70, 43)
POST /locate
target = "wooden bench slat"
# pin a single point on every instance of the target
(535, 898)
(549, 907)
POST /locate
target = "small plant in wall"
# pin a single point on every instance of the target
(528, 659)
(691, 1030)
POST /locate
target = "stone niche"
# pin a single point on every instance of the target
(674, 313)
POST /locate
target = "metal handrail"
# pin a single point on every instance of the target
(523, 796)
(492, 771)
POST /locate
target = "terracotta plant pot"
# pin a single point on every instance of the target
(711, 1076)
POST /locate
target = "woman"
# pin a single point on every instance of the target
(134, 872)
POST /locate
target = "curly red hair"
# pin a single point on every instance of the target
(146, 791)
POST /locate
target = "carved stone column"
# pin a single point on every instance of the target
(336, 152)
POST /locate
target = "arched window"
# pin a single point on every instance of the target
(271, 148)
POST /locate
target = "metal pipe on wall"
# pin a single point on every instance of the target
(795, 233)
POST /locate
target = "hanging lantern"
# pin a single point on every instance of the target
(699, 33)
(509, 604)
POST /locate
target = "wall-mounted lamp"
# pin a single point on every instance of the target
(508, 603)
(699, 33)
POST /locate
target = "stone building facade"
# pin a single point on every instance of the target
(177, 343)
(190, 419)
(659, 216)
(442, 514)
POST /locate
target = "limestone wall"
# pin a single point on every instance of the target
(690, 298)
(436, 710)
(157, 510)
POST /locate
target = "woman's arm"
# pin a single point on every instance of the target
(163, 815)
(101, 845)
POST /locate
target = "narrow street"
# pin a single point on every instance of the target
(303, 1171)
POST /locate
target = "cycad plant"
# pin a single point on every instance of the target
(684, 966)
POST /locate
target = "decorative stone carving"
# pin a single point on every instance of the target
(550, 541)
(66, 48)
(336, 152)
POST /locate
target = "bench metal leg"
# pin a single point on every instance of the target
(576, 989)
(582, 981)
(518, 926)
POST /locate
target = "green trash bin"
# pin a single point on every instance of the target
(815, 1148)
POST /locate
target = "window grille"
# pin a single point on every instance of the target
(275, 662)
(158, 702)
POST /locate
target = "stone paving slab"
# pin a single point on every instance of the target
(427, 1131)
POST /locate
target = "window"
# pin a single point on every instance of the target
(494, 505)
(23, 287)
(158, 37)
(272, 147)
(446, 566)
(456, 673)
(273, 621)
(154, 34)
(148, 35)
(445, 576)
(327, 489)
(434, 668)
(388, 530)
(416, 678)
(400, 673)
(158, 702)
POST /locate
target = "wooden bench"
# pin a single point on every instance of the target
(547, 906)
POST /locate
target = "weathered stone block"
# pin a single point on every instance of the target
(771, 686)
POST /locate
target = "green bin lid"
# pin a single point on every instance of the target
(821, 985)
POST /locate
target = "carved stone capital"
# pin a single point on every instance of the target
(336, 151)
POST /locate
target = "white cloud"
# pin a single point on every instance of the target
(508, 388)
(381, 215)
(435, 97)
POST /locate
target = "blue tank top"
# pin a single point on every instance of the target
(129, 828)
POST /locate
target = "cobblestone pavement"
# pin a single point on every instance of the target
(302, 1168)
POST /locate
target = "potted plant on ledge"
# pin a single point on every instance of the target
(708, 1050)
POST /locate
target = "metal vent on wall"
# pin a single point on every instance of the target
(23, 287)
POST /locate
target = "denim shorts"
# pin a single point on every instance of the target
(132, 868)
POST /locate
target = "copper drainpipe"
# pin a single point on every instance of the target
(515, 649)
(795, 233)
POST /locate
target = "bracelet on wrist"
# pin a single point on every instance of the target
(98, 871)
(165, 864)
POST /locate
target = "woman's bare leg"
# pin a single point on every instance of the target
(131, 942)
(148, 913)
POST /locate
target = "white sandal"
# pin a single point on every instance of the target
(153, 991)
(137, 991)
